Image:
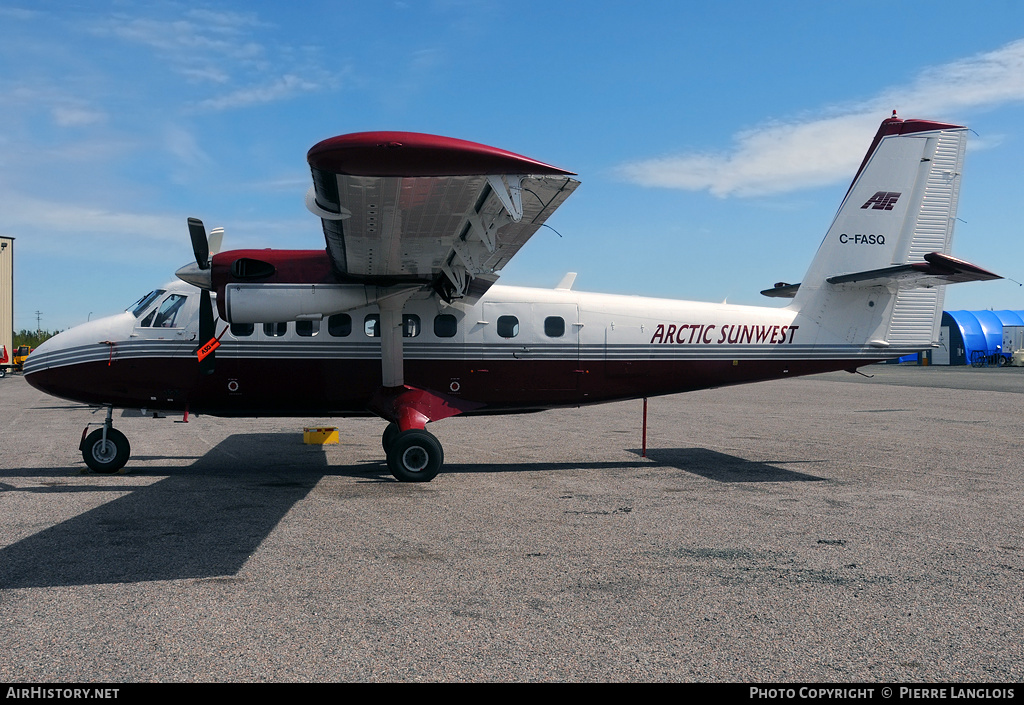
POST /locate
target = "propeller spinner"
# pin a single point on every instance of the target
(203, 248)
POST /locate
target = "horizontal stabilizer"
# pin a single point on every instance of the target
(935, 270)
(782, 290)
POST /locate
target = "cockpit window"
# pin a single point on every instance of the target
(168, 312)
(142, 304)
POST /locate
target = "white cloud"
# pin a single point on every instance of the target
(767, 160)
(183, 145)
(788, 156)
(18, 13)
(59, 219)
(284, 87)
(68, 116)
(227, 50)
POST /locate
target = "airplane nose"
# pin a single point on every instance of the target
(195, 276)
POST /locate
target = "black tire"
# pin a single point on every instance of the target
(415, 456)
(108, 458)
(3, 372)
(389, 435)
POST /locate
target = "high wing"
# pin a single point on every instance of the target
(403, 208)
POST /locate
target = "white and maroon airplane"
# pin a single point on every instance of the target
(399, 316)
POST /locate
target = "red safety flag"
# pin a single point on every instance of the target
(207, 349)
(210, 346)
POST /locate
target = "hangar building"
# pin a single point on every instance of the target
(966, 335)
(7, 293)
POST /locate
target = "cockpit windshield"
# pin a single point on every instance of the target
(140, 306)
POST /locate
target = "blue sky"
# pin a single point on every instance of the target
(714, 141)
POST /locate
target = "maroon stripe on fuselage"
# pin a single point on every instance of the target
(324, 387)
(416, 154)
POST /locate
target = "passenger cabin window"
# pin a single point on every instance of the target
(275, 330)
(167, 314)
(410, 325)
(339, 325)
(241, 330)
(508, 326)
(554, 326)
(445, 325)
(307, 329)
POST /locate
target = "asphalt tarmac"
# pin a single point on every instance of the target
(829, 529)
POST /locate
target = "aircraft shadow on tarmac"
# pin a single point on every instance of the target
(722, 467)
(204, 520)
(199, 521)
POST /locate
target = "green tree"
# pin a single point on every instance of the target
(32, 338)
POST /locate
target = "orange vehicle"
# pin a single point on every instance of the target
(19, 357)
(13, 364)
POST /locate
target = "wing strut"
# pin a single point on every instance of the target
(392, 360)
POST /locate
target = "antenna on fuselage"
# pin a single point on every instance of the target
(567, 282)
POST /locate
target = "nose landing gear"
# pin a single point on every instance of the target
(105, 450)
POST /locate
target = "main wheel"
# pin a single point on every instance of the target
(415, 456)
(106, 457)
(389, 435)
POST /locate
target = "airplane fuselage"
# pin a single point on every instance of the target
(516, 349)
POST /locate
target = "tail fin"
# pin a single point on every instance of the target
(878, 276)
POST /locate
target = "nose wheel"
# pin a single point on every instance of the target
(414, 455)
(106, 455)
(105, 450)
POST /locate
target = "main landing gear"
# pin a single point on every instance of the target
(105, 450)
(414, 455)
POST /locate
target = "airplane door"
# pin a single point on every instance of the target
(535, 347)
(940, 355)
(159, 364)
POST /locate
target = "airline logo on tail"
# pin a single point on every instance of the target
(882, 201)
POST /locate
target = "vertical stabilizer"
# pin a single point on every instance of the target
(900, 207)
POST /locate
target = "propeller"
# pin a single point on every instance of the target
(202, 246)
(207, 331)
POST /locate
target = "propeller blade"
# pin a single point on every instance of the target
(206, 329)
(200, 245)
(215, 240)
(207, 333)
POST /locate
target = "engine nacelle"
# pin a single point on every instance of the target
(277, 303)
(276, 286)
